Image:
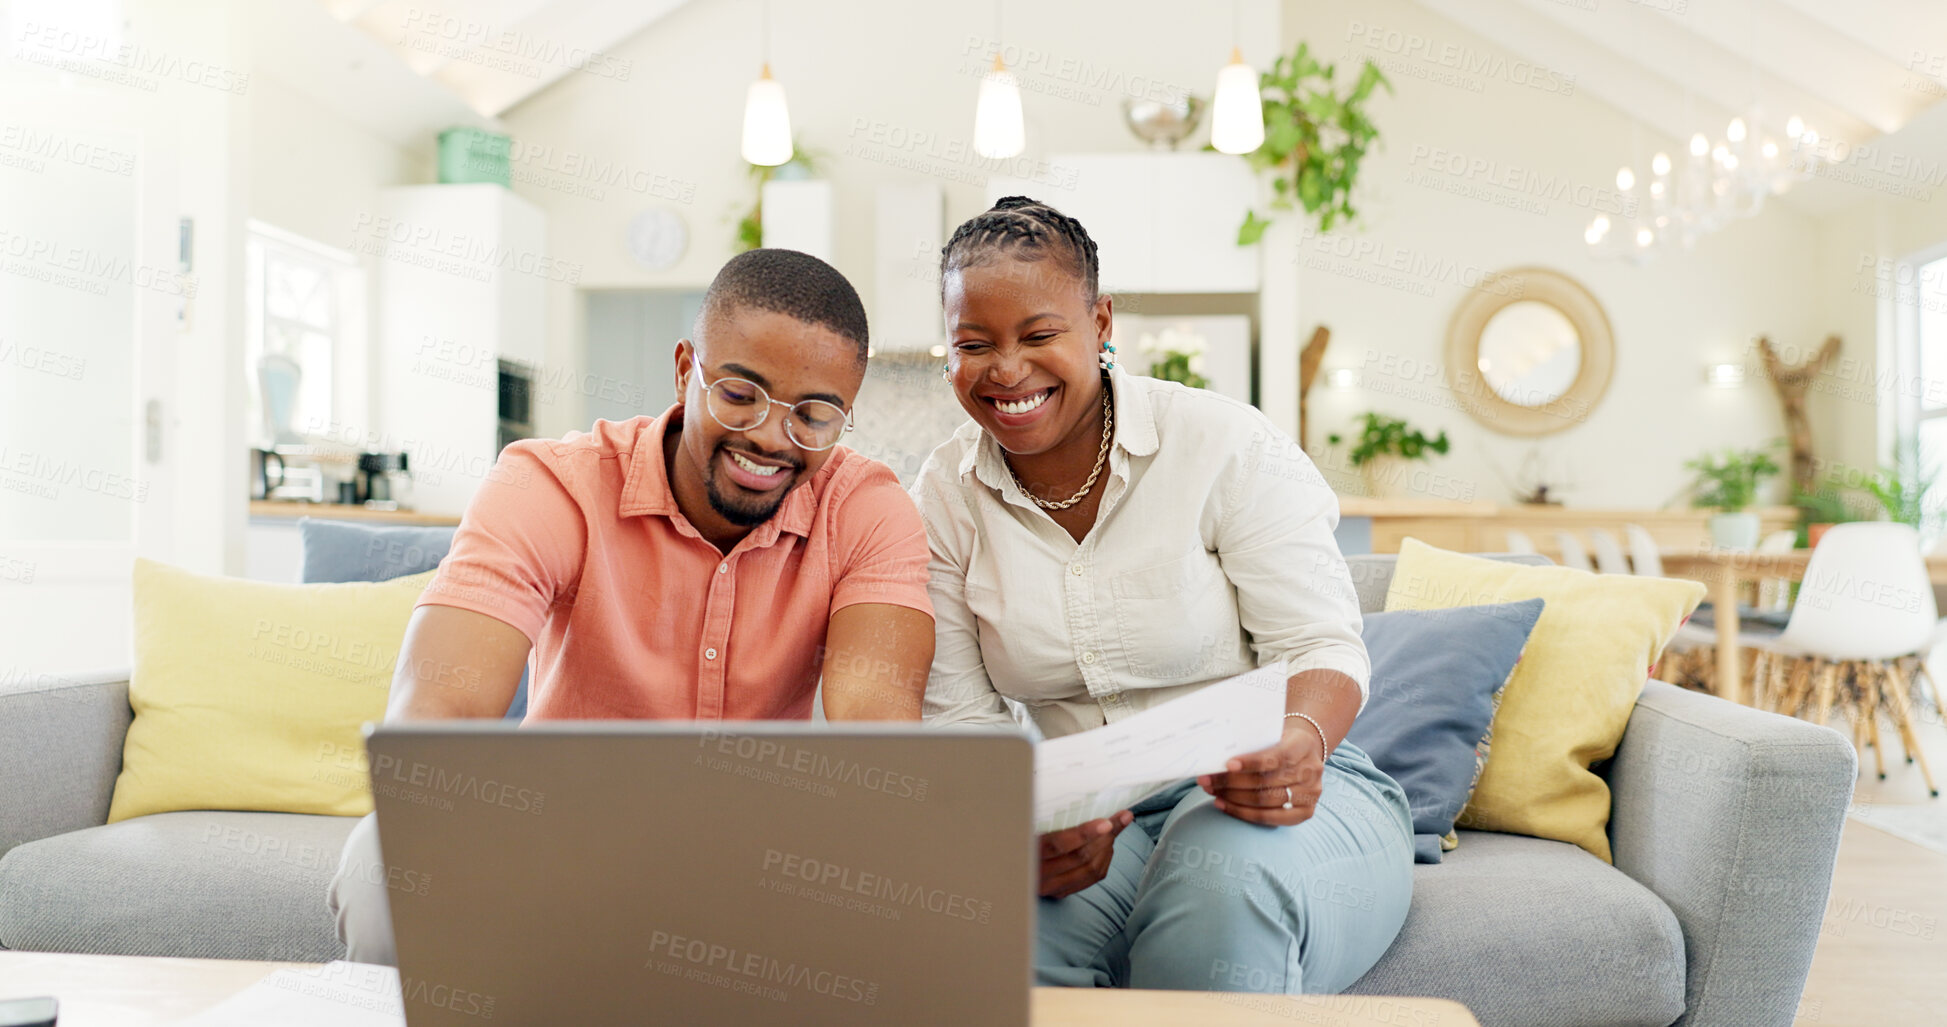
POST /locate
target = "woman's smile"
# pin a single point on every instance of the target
(1020, 409)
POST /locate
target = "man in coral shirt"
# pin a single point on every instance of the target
(712, 563)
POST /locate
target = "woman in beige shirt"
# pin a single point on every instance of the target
(1102, 542)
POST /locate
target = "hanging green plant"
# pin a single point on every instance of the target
(750, 227)
(1314, 140)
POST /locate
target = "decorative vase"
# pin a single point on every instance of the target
(1385, 475)
(1738, 530)
(1162, 123)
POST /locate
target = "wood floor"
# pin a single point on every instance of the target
(1882, 954)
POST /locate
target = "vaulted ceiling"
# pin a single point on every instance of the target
(495, 54)
(1854, 70)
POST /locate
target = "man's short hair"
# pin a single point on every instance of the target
(794, 284)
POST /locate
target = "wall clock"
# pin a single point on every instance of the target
(657, 238)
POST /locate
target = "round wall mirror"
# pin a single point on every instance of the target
(1531, 355)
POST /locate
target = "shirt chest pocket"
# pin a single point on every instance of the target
(1176, 620)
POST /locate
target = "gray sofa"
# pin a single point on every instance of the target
(1725, 827)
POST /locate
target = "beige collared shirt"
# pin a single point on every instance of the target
(1212, 554)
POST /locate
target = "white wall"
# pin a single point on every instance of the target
(1669, 318)
(312, 172)
(184, 102)
(882, 90)
(888, 100)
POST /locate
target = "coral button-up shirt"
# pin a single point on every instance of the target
(578, 542)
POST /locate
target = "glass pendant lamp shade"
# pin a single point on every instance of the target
(998, 130)
(1237, 114)
(767, 123)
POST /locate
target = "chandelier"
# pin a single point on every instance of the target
(1717, 183)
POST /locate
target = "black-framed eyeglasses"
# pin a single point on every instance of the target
(740, 404)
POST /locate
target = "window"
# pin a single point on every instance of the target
(1919, 386)
(1929, 413)
(301, 305)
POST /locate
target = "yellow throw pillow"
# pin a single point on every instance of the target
(250, 695)
(1570, 697)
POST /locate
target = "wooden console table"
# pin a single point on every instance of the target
(1484, 527)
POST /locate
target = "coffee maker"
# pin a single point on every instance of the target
(266, 472)
(290, 474)
(385, 481)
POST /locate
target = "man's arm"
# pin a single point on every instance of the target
(876, 660)
(456, 663)
(516, 555)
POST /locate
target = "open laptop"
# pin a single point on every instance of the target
(740, 873)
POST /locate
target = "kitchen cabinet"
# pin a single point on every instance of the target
(907, 231)
(798, 216)
(1162, 222)
(462, 273)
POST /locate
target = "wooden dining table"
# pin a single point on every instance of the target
(1726, 571)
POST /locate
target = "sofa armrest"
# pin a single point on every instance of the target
(1732, 816)
(60, 751)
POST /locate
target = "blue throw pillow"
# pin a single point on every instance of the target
(1436, 681)
(351, 551)
(354, 551)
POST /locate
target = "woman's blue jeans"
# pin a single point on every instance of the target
(1197, 900)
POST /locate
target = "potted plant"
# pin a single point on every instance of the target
(1314, 139)
(1728, 483)
(1819, 511)
(750, 227)
(1175, 356)
(1385, 446)
(1902, 491)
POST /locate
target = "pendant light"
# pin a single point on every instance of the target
(1237, 112)
(999, 132)
(767, 118)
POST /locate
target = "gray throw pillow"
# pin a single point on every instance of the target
(1436, 679)
(355, 551)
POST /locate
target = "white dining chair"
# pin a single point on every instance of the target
(1864, 603)
(1609, 558)
(1519, 542)
(1644, 555)
(1573, 553)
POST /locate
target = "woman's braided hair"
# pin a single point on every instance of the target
(1025, 229)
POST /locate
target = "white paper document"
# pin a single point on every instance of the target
(1093, 774)
(337, 994)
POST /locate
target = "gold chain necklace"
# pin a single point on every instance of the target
(1101, 457)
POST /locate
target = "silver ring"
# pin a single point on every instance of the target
(1287, 796)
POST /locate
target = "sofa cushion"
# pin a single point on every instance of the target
(1436, 678)
(1570, 698)
(1528, 932)
(250, 695)
(1372, 574)
(205, 884)
(351, 551)
(356, 551)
